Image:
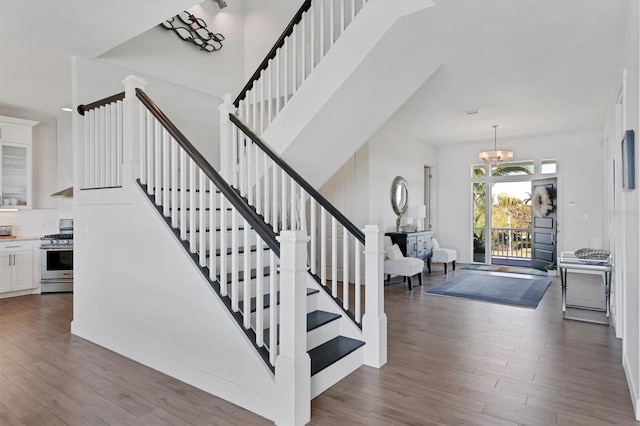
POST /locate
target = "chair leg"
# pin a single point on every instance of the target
(410, 286)
(420, 278)
(453, 264)
(429, 264)
(445, 269)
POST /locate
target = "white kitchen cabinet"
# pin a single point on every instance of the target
(16, 163)
(16, 266)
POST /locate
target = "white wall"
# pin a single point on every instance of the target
(361, 188)
(264, 23)
(194, 113)
(624, 212)
(137, 292)
(580, 180)
(162, 54)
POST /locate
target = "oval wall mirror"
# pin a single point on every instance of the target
(399, 195)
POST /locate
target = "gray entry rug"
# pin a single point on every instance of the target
(489, 288)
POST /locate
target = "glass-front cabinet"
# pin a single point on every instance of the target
(16, 174)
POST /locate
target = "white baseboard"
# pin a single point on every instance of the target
(233, 392)
(633, 388)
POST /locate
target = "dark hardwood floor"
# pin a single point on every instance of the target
(451, 362)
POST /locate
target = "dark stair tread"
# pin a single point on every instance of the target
(331, 352)
(266, 271)
(217, 229)
(266, 300)
(317, 319)
(187, 190)
(240, 250)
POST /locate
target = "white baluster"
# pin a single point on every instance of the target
(273, 310)
(259, 290)
(283, 198)
(332, 27)
(203, 224)
(294, 218)
(286, 72)
(258, 202)
(192, 206)
(235, 265)
(165, 172)
(157, 163)
(313, 232)
(250, 160)
(322, 29)
(183, 194)
(342, 20)
(107, 147)
(223, 249)
(303, 47)
(270, 92)
(262, 102)
(294, 60)
(150, 128)
(303, 209)
(334, 257)
(312, 36)
(357, 296)
(323, 247)
(265, 177)
(345, 268)
(234, 155)
(88, 150)
(353, 10)
(278, 77)
(246, 276)
(254, 96)
(274, 197)
(102, 151)
(243, 164)
(119, 138)
(212, 231)
(174, 183)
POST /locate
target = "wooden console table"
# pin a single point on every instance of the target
(414, 244)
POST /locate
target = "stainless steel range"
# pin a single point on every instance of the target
(57, 259)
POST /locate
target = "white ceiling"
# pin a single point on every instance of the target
(532, 66)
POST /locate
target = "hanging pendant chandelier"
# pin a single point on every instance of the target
(495, 157)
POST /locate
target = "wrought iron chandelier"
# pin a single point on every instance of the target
(495, 157)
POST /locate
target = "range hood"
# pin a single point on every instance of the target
(65, 193)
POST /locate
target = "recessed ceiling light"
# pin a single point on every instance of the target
(66, 109)
(472, 111)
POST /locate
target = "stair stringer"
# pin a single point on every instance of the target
(382, 58)
(139, 294)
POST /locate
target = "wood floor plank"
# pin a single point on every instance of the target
(451, 362)
(19, 402)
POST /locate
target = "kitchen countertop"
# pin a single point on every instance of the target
(20, 238)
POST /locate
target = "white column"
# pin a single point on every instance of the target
(293, 365)
(131, 128)
(226, 138)
(374, 321)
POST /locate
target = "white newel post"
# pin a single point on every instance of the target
(374, 321)
(293, 365)
(131, 129)
(226, 158)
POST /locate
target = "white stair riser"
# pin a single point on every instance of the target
(312, 302)
(252, 288)
(323, 334)
(239, 236)
(336, 372)
(228, 260)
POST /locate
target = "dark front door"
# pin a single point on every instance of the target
(544, 214)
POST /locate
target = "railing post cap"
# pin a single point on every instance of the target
(371, 228)
(293, 236)
(135, 81)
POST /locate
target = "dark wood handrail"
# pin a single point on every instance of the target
(313, 193)
(272, 53)
(264, 230)
(97, 104)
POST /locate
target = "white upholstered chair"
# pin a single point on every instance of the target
(396, 264)
(443, 255)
